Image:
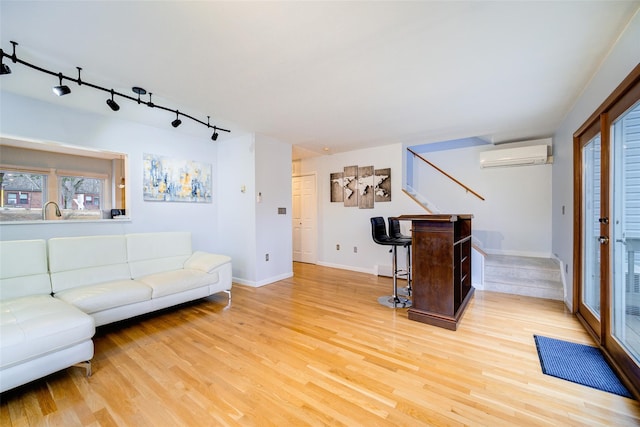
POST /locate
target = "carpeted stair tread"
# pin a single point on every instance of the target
(528, 276)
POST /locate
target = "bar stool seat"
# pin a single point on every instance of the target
(380, 236)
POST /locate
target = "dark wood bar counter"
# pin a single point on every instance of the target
(441, 268)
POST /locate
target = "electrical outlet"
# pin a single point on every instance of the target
(337, 247)
(266, 257)
(355, 249)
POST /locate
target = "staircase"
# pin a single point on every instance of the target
(527, 276)
(535, 277)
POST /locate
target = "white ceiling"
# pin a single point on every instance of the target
(341, 75)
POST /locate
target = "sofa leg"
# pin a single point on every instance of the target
(229, 301)
(86, 365)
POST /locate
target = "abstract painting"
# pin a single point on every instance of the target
(172, 180)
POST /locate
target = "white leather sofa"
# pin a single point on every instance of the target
(117, 277)
(39, 334)
(48, 314)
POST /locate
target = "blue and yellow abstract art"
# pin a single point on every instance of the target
(171, 180)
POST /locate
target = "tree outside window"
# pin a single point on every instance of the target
(78, 196)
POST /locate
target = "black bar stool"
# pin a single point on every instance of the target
(380, 236)
(395, 233)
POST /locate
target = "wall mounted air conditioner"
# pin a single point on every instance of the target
(520, 156)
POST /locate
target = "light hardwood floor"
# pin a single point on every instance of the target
(317, 349)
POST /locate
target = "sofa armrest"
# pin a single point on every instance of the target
(206, 262)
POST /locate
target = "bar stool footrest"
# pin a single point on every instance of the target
(405, 292)
(397, 302)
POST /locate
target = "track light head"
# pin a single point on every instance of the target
(61, 90)
(215, 129)
(177, 122)
(112, 104)
(4, 68)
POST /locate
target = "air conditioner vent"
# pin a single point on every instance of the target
(520, 156)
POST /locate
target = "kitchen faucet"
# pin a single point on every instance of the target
(44, 209)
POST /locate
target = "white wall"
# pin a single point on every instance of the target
(22, 117)
(514, 218)
(251, 165)
(351, 227)
(237, 207)
(624, 56)
(273, 230)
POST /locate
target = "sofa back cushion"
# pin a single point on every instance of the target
(88, 260)
(151, 253)
(23, 269)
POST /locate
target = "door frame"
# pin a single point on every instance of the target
(315, 190)
(595, 326)
(622, 98)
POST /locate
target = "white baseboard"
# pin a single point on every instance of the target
(264, 282)
(384, 270)
(348, 267)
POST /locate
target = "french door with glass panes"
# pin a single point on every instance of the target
(607, 228)
(594, 228)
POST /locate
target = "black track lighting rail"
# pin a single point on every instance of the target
(110, 102)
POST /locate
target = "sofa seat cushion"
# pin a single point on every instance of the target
(104, 296)
(172, 282)
(37, 325)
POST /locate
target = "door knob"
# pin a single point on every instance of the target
(604, 220)
(603, 240)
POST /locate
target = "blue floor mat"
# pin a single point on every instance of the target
(578, 363)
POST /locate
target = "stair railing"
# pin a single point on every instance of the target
(469, 190)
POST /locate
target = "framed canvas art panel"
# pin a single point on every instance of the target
(350, 186)
(337, 186)
(382, 182)
(172, 180)
(365, 187)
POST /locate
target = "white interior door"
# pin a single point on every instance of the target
(296, 217)
(304, 219)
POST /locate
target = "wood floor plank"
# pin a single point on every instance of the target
(317, 349)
